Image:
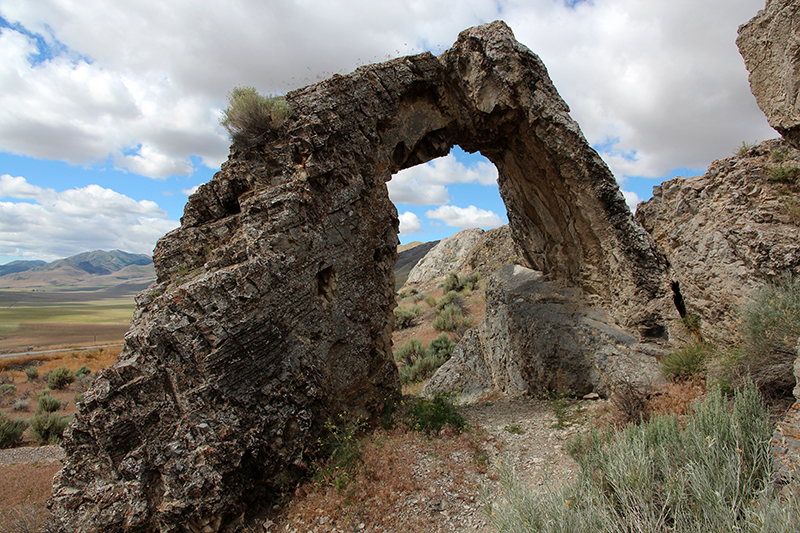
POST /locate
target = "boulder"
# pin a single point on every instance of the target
(272, 311)
(770, 47)
(539, 337)
(447, 256)
(727, 232)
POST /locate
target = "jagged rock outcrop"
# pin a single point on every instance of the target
(537, 337)
(273, 306)
(728, 231)
(467, 252)
(494, 249)
(770, 46)
(447, 256)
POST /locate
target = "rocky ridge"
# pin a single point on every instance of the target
(771, 51)
(727, 232)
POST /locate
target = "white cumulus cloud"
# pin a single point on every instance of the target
(409, 223)
(427, 184)
(50, 224)
(465, 217)
(632, 199)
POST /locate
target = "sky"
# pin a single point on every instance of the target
(109, 111)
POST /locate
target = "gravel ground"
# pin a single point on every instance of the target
(31, 454)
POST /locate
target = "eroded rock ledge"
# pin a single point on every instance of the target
(272, 310)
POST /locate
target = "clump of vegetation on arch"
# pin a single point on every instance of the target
(250, 115)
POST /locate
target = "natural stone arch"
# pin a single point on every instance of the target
(272, 310)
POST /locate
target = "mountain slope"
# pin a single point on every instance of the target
(97, 268)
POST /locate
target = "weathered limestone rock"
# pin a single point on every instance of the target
(447, 256)
(538, 336)
(770, 46)
(273, 306)
(728, 231)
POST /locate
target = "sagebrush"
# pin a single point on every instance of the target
(250, 115)
(714, 475)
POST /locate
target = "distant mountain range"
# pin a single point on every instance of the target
(101, 268)
(96, 268)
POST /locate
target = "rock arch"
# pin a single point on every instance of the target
(272, 309)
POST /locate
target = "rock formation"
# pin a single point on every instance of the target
(538, 337)
(447, 256)
(728, 231)
(770, 47)
(272, 310)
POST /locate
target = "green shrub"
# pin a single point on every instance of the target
(48, 404)
(21, 404)
(450, 298)
(83, 371)
(714, 475)
(404, 318)
(7, 389)
(32, 373)
(427, 363)
(250, 115)
(431, 301)
(341, 451)
(48, 428)
(78, 398)
(450, 319)
(60, 378)
(441, 346)
(743, 149)
(11, 431)
(432, 415)
(770, 329)
(451, 283)
(687, 361)
(407, 293)
(781, 174)
(408, 353)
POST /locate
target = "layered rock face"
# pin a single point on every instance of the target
(728, 231)
(272, 309)
(770, 46)
(538, 337)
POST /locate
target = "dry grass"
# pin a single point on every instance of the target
(400, 472)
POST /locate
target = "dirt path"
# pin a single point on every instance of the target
(443, 484)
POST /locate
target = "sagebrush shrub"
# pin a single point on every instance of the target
(250, 115)
(7, 389)
(32, 373)
(451, 318)
(409, 352)
(60, 378)
(48, 404)
(11, 431)
(432, 415)
(714, 475)
(404, 318)
(48, 428)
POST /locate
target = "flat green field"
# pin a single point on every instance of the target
(39, 319)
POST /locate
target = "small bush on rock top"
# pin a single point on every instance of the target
(249, 114)
(11, 431)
